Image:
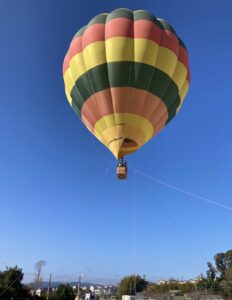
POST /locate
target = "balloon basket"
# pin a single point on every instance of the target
(122, 170)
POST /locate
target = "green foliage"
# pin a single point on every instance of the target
(130, 285)
(218, 280)
(211, 273)
(164, 288)
(223, 262)
(223, 268)
(226, 282)
(11, 284)
(64, 292)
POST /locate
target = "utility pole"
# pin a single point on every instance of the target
(78, 287)
(196, 292)
(49, 286)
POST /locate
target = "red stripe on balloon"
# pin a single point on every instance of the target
(170, 41)
(183, 58)
(119, 27)
(138, 102)
(93, 33)
(123, 27)
(75, 46)
(147, 30)
(66, 63)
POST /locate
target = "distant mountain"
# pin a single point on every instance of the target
(55, 284)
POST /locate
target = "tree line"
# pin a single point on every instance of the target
(218, 280)
(11, 287)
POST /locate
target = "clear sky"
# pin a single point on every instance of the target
(59, 198)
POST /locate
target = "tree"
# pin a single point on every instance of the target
(223, 267)
(211, 273)
(38, 279)
(226, 282)
(223, 262)
(130, 285)
(11, 284)
(64, 292)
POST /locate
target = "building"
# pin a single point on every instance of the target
(127, 297)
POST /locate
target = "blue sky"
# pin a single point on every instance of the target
(59, 198)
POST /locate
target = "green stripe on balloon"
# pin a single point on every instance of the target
(80, 32)
(165, 25)
(145, 15)
(121, 13)
(98, 19)
(127, 74)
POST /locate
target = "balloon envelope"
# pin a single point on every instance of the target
(126, 75)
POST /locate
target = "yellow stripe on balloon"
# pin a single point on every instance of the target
(179, 75)
(182, 93)
(184, 90)
(120, 120)
(126, 151)
(77, 65)
(68, 97)
(119, 49)
(125, 49)
(166, 61)
(129, 150)
(94, 54)
(112, 129)
(113, 138)
(103, 124)
(146, 51)
(69, 80)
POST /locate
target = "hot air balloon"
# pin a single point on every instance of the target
(126, 75)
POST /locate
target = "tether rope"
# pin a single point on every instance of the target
(92, 188)
(134, 229)
(172, 220)
(185, 191)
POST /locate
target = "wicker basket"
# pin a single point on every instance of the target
(122, 172)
